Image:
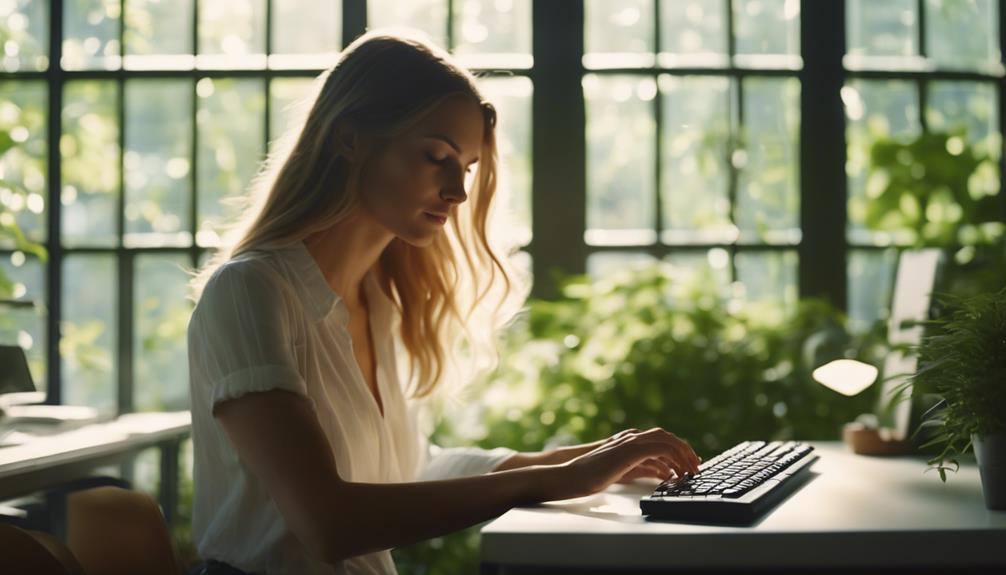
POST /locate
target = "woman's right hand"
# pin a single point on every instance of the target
(622, 455)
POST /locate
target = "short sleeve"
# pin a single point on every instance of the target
(241, 335)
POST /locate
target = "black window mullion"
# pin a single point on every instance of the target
(735, 116)
(354, 20)
(822, 261)
(658, 117)
(1001, 85)
(54, 275)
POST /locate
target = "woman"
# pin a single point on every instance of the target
(365, 246)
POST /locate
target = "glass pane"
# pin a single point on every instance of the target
(767, 26)
(962, 34)
(696, 143)
(91, 35)
(288, 106)
(870, 277)
(620, 152)
(22, 278)
(154, 29)
(769, 278)
(231, 140)
(90, 163)
(87, 345)
(601, 264)
(232, 33)
(768, 196)
(693, 28)
(704, 266)
(875, 110)
(512, 99)
(618, 28)
(888, 28)
(22, 159)
(306, 27)
(162, 314)
(968, 106)
(25, 326)
(492, 27)
(157, 162)
(430, 16)
(24, 31)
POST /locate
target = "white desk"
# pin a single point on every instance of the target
(853, 512)
(51, 460)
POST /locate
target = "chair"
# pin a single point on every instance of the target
(110, 531)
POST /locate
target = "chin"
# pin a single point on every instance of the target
(418, 240)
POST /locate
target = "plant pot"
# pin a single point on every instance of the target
(990, 452)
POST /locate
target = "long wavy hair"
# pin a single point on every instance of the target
(451, 296)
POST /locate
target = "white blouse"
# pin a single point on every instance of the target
(268, 320)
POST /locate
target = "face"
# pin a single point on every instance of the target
(421, 178)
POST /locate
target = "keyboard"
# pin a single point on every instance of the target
(736, 487)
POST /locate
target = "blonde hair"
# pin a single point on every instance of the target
(451, 296)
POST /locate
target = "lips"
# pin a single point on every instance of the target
(437, 218)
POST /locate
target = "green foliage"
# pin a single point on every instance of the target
(10, 231)
(963, 360)
(652, 346)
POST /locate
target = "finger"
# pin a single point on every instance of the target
(656, 446)
(685, 454)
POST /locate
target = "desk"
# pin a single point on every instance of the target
(51, 460)
(853, 512)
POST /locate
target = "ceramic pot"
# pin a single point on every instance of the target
(990, 452)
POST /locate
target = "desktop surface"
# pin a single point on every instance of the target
(852, 511)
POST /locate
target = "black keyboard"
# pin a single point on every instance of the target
(735, 487)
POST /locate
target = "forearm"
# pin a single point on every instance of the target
(384, 516)
(552, 457)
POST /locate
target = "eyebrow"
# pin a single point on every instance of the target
(451, 143)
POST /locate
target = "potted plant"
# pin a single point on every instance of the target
(963, 361)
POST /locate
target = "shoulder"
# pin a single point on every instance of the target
(250, 279)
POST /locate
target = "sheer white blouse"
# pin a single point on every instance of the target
(268, 320)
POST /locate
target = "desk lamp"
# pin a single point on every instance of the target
(864, 436)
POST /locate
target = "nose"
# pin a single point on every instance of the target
(454, 194)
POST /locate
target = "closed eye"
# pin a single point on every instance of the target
(443, 162)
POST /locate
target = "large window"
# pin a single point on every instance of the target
(130, 129)
(129, 132)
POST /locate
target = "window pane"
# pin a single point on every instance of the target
(24, 30)
(430, 16)
(288, 105)
(624, 28)
(87, 343)
(91, 35)
(157, 162)
(25, 326)
(962, 34)
(232, 34)
(22, 279)
(875, 110)
(231, 136)
(696, 140)
(769, 277)
(888, 28)
(492, 27)
(90, 163)
(871, 273)
(968, 106)
(512, 99)
(620, 152)
(155, 29)
(767, 26)
(712, 265)
(22, 159)
(694, 28)
(162, 314)
(768, 197)
(601, 264)
(306, 27)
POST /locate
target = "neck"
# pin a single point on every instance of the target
(345, 253)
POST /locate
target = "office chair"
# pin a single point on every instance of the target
(110, 531)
